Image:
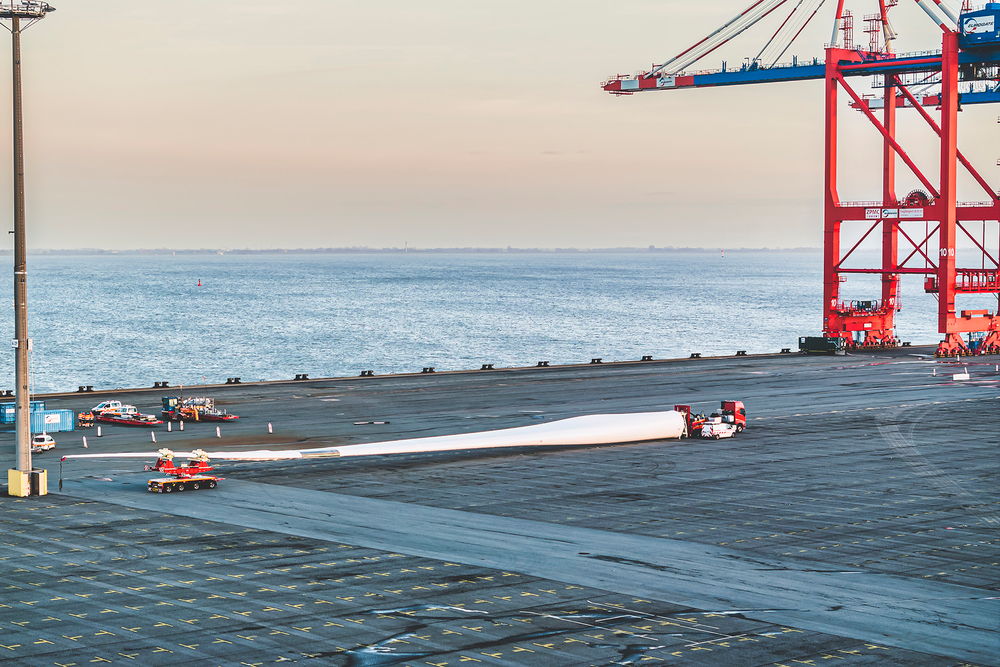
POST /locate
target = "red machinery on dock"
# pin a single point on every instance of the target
(192, 476)
(727, 422)
(966, 71)
(129, 416)
(198, 408)
(116, 412)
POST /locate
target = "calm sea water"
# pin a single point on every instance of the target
(124, 321)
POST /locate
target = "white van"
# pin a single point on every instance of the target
(716, 428)
(108, 406)
(114, 406)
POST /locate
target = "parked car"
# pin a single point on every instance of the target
(42, 442)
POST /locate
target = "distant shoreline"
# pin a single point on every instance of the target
(391, 251)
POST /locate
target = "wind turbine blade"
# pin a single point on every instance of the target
(587, 430)
(603, 429)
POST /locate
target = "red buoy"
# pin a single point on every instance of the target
(199, 282)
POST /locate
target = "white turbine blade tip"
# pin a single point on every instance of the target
(259, 455)
(120, 455)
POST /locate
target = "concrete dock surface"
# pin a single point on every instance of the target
(854, 522)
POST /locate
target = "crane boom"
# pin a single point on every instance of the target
(813, 69)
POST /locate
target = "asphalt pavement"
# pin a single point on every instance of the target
(857, 511)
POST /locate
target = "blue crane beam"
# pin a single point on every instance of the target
(859, 65)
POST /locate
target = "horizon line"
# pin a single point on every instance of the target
(402, 250)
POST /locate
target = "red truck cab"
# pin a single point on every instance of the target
(737, 411)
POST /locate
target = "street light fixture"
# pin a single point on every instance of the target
(24, 480)
(25, 9)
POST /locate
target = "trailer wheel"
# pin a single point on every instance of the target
(168, 488)
(196, 486)
(181, 486)
(212, 484)
(739, 428)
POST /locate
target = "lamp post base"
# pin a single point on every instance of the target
(22, 484)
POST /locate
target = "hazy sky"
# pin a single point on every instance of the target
(320, 123)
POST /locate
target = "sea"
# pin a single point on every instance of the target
(119, 321)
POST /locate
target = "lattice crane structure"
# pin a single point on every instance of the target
(954, 245)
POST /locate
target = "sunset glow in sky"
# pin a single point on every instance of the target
(320, 123)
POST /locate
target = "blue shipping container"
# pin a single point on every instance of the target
(980, 28)
(53, 421)
(7, 411)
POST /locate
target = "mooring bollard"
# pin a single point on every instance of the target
(85, 442)
(180, 424)
(170, 426)
(99, 434)
(270, 429)
(218, 432)
(152, 436)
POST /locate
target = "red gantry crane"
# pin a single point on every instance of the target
(954, 245)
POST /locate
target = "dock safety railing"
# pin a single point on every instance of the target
(861, 307)
(977, 281)
(878, 204)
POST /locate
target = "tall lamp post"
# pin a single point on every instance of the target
(23, 480)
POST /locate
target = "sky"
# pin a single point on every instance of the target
(449, 123)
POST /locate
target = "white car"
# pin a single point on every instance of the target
(42, 443)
